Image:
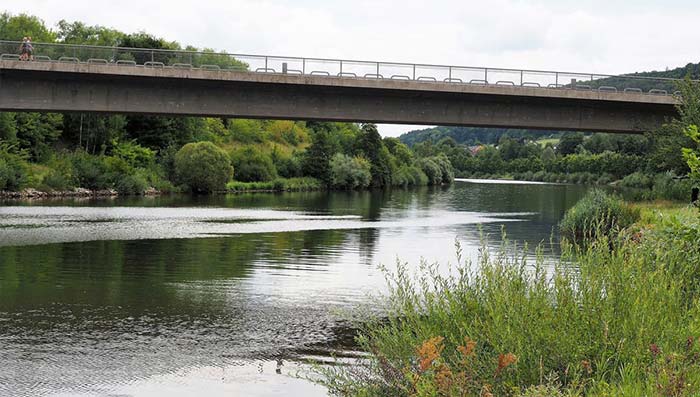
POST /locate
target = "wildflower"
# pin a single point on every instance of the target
(654, 349)
(587, 366)
(429, 351)
(443, 378)
(468, 349)
(505, 360)
(689, 342)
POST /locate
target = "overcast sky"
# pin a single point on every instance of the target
(610, 36)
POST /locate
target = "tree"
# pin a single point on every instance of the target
(14, 27)
(252, 165)
(350, 172)
(569, 143)
(371, 146)
(203, 167)
(318, 157)
(36, 132)
(687, 123)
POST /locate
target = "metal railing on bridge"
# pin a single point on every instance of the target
(349, 69)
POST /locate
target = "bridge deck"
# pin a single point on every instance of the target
(110, 88)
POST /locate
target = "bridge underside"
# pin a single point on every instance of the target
(130, 90)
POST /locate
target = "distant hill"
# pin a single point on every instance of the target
(474, 135)
(470, 135)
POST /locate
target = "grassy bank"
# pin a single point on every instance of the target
(619, 317)
(277, 185)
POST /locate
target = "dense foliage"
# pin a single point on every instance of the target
(597, 213)
(203, 167)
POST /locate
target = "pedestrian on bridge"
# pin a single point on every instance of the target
(26, 49)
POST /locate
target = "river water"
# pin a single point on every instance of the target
(232, 295)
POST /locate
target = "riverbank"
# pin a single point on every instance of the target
(637, 186)
(616, 317)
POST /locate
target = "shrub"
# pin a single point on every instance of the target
(89, 171)
(597, 213)
(668, 186)
(203, 167)
(350, 172)
(57, 180)
(637, 180)
(133, 154)
(12, 175)
(252, 165)
(432, 170)
(131, 185)
(448, 173)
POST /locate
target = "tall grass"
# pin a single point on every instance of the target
(597, 213)
(598, 322)
(277, 185)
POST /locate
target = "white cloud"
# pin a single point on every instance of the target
(589, 36)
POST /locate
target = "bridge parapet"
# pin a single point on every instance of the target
(342, 69)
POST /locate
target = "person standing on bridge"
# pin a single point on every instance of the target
(26, 49)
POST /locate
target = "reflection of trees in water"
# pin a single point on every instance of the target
(143, 273)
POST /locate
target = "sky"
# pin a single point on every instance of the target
(599, 36)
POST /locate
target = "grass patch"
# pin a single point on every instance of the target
(277, 185)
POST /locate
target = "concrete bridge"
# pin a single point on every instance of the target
(181, 89)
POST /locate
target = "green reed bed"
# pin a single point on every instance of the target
(602, 321)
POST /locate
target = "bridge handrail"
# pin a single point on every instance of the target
(374, 66)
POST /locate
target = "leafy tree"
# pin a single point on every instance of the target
(252, 165)
(203, 167)
(13, 167)
(350, 172)
(318, 156)
(569, 143)
(8, 128)
(371, 146)
(14, 27)
(80, 33)
(36, 132)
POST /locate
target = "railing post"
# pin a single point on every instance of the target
(265, 63)
(414, 71)
(377, 69)
(556, 79)
(152, 57)
(303, 65)
(341, 68)
(486, 75)
(449, 73)
(521, 77)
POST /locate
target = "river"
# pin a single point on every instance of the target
(173, 295)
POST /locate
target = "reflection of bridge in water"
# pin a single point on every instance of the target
(168, 82)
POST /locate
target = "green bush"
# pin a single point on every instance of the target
(13, 174)
(131, 185)
(669, 187)
(409, 175)
(432, 170)
(89, 171)
(57, 180)
(203, 167)
(350, 172)
(637, 180)
(252, 165)
(595, 214)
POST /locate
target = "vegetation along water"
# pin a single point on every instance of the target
(375, 273)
